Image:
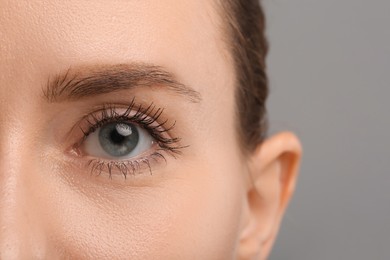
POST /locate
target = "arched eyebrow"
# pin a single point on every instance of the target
(83, 82)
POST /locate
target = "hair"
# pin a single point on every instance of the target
(248, 46)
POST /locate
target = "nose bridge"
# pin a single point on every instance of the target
(16, 221)
(21, 231)
(22, 228)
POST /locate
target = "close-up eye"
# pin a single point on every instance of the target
(117, 140)
(126, 140)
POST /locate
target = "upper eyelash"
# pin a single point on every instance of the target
(143, 117)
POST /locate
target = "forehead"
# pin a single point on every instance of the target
(44, 37)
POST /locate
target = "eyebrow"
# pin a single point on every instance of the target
(76, 84)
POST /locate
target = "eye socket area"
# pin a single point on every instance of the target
(123, 139)
(117, 140)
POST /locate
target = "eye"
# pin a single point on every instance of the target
(125, 140)
(118, 140)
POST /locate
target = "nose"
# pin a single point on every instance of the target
(22, 234)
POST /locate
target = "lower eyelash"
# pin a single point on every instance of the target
(124, 167)
(132, 167)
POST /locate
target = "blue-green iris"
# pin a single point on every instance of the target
(118, 139)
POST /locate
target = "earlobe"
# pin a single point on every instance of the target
(273, 168)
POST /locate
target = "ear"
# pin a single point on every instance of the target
(273, 167)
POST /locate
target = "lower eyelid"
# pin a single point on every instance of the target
(145, 163)
(126, 168)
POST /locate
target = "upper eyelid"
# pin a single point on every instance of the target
(80, 125)
(147, 115)
(132, 111)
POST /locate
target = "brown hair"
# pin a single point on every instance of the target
(249, 47)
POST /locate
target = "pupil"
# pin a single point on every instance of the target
(118, 139)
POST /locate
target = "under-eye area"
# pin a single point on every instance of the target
(126, 140)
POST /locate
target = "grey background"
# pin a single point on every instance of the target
(329, 68)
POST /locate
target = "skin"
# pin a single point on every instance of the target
(210, 202)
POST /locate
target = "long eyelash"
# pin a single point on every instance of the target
(143, 117)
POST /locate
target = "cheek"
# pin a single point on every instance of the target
(194, 212)
(209, 215)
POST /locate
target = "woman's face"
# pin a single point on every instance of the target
(117, 132)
